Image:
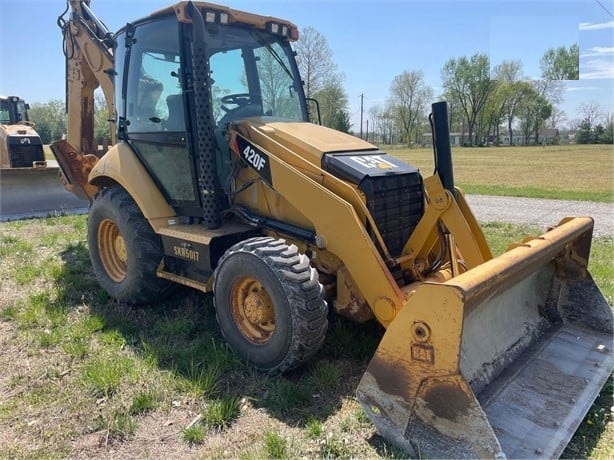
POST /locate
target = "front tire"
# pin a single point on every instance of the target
(269, 304)
(124, 250)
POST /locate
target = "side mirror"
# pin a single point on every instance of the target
(313, 107)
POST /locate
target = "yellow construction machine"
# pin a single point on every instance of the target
(20, 144)
(219, 181)
(29, 185)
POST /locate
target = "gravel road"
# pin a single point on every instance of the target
(540, 212)
(537, 212)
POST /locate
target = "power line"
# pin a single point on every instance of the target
(604, 8)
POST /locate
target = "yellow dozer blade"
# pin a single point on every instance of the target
(501, 361)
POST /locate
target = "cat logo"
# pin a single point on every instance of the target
(374, 161)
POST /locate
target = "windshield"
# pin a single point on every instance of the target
(12, 111)
(5, 113)
(253, 74)
(22, 111)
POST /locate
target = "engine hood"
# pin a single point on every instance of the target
(18, 130)
(307, 139)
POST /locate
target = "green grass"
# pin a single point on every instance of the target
(220, 413)
(194, 434)
(85, 376)
(567, 172)
(276, 446)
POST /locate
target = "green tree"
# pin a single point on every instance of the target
(467, 82)
(561, 63)
(493, 114)
(516, 94)
(534, 110)
(333, 106)
(102, 125)
(584, 133)
(408, 100)
(607, 137)
(511, 91)
(50, 119)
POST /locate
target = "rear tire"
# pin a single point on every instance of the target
(124, 250)
(269, 304)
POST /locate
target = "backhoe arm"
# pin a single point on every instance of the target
(88, 47)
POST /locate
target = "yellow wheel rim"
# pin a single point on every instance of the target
(252, 310)
(112, 250)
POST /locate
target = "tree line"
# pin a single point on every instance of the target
(482, 106)
(491, 107)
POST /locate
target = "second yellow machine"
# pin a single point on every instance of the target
(219, 181)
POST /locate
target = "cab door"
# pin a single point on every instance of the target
(151, 116)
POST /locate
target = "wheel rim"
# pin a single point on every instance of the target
(112, 250)
(252, 310)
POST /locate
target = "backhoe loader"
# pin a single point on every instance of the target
(219, 181)
(29, 184)
(20, 144)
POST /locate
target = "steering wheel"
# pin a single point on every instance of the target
(240, 99)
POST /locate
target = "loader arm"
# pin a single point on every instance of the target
(88, 48)
(464, 344)
(329, 213)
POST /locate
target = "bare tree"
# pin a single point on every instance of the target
(315, 60)
(557, 117)
(590, 111)
(376, 118)
(322, 79)
(409, 98)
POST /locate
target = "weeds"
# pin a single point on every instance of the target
(219, 414)
(276, 446)
(84, 376)
(194, 434)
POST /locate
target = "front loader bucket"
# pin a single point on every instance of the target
(35, 192)
(501, 361)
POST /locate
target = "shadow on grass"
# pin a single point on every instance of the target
(181, 335)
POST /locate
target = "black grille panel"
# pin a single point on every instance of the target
(24, 150)
(393, 189)
(396, 203)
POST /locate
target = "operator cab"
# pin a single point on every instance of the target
(13, 110)
(252, 73)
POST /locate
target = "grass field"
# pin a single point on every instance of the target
(569, 172)
(84, 376)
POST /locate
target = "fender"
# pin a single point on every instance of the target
(120, 165)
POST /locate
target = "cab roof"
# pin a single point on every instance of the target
(226, 15)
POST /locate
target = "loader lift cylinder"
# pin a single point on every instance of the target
(441, 145)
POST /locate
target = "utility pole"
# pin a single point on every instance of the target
(361, 100)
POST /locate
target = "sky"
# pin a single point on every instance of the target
(372, 41)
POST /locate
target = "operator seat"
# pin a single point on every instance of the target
(175, 121)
